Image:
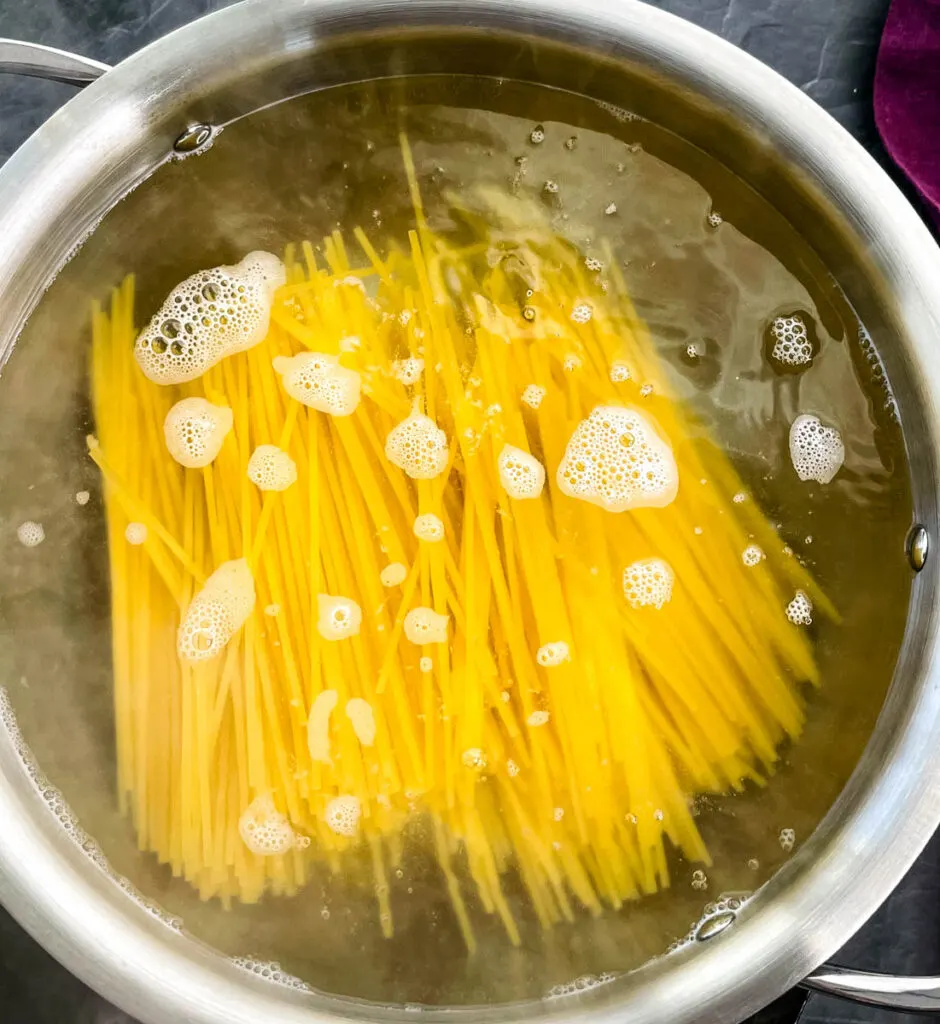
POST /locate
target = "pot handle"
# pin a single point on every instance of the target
(893, 992)
(21, 58)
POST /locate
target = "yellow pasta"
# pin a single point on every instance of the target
(559, 733)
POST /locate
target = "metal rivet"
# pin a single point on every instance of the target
(918, 544)
(713, 926)
(196, 135)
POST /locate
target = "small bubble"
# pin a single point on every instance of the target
(714, 219)
(610, 209)
(753, 864)
(699, 880)
(537, 136)
(571, 142)
(82, 497)
(787, 838)
(551, 187)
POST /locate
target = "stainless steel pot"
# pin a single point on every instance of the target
(169, 99)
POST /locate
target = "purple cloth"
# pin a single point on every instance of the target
(907, 94)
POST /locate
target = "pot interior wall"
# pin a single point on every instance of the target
(279, 176)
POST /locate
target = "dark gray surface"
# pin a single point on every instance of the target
(826, 47)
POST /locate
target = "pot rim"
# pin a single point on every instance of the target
(814, 903)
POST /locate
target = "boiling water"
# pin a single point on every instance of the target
(754, 332)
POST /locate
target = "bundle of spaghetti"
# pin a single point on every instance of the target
(572, 772)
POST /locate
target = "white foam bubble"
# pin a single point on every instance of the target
(271, 469)
(338, 617)
(699, 880)
(617, 459)
(474, 758)
(572, 362)
(582, 313)
(426, 626)
(800, 610)
(195, 430)
(362, 718)
(551, 654)
(817, 451)
(418, 447)
(343, 814)
(792, 345)
(318, 725)
(272, 609)
(585, 983)
(264, 830)
(512, 768)
(82, 497)
(520, 473)
(787, 838)
(135, 533)
(394, 574)
(648, 583)
(426, 664)
(408, 371)
(210, 315)
(428, 527)
(620, 372)
(610, 209)
(752, 555)
(538, 718)
(317, 380)
(532, 395)
(217, 611)
(537, 135)
(269, 970)
(30, 534)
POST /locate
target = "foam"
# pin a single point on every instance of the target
(538, 718)
(271, 468)
(426, 626)
(619, 372)
(521, 474)
(426, 664)
(269, 970)
(580, 985)
(210, 315)
(617, 459)
(317, 380)
(30, 534)
(512, 768)
(408, 371)
(217, 612)
(817, 452)
(195, 429)
(318, 726)
(393, 574)
(800, 610)
(532, 395)
(752, 555)
(572, 362)
(582, 313)
(135, 533)
(552, 654)
(428, 527)
(787, 839)
(338, 617)
(264, 830)
(792, 344)
(648, 583)
(418, 447)
(82, 497)
(699, 880)
(343, 814)
(362, 718)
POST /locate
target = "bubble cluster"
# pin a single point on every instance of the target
(362, 718)
(752, 555)
(269, 970)
(551, 654)
(210, 315)
(532, 395)
(271, 469)
(538, 718)
(337, 617)
(342, 815)
(580, 985)
(520, 473)
(418, 447)
(194, 430)
(787, 838)
(512, 768)
(474, 758)
(264, 830)
(610, 209)
(82, 497)
(394, 574)
(30, 534)
(582, 313)
(425, 664)
(617, 459)
(428, 527)
(426, 626)
(714, 219)
(699, 880)
(572, 362)
(318, 726)
(317, 380)
(408, 371)
(135, 533)
(817, 452)
(792, 344)
(648, 583)
(537, 135)
(217, 612)
(800, 610)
